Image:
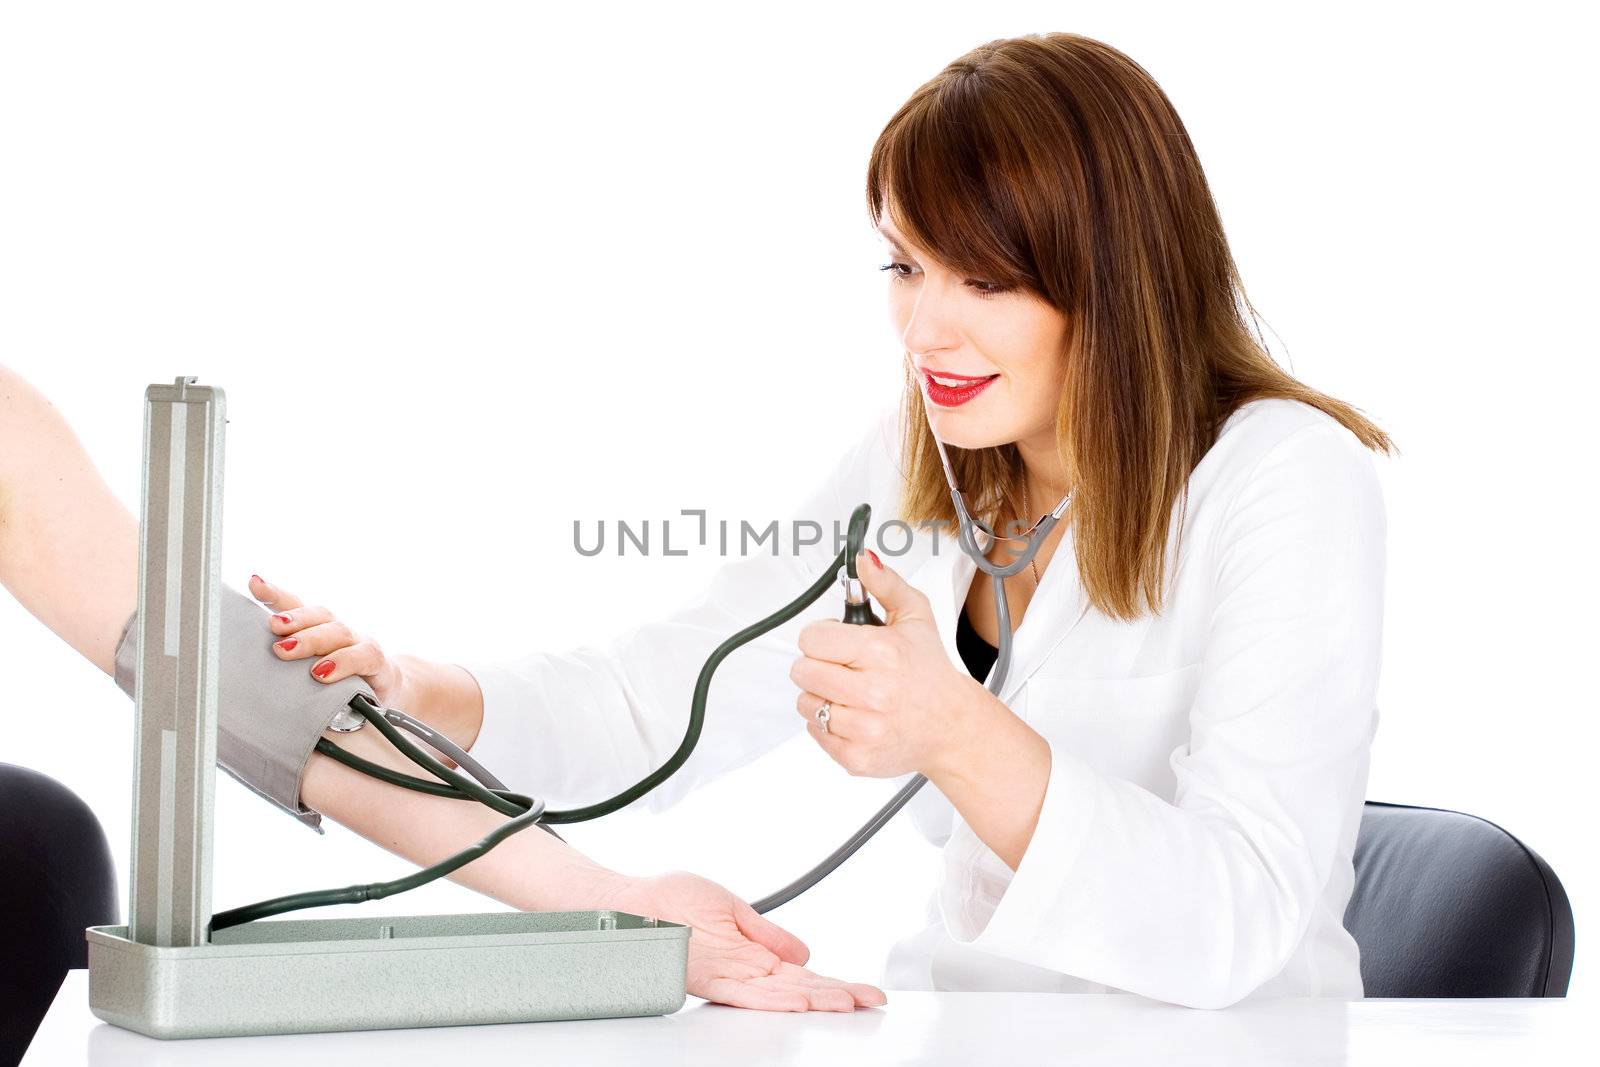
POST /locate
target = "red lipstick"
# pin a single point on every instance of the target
(954, 396)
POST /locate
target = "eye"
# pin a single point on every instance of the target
(982, 288)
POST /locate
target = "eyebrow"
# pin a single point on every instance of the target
(887, 236)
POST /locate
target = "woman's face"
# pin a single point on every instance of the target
(991, 363)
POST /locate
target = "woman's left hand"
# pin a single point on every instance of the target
(899, 704)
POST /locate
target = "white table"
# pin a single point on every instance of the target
(982, 1029)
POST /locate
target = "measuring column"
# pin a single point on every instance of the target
(175, 692)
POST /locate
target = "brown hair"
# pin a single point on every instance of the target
(1054, 163)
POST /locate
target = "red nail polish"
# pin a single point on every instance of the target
(288, 643)
(282, 618)
(875, 559)
(322, 670)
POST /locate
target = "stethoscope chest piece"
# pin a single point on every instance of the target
(857, 606)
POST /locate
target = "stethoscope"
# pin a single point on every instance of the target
(1033, 538)
(528, 811)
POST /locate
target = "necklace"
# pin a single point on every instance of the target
(1028, 512)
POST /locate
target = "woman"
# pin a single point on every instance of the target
(1163, 798)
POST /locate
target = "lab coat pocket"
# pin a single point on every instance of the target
(1125, 727)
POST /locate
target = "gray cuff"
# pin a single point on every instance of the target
(270, 711)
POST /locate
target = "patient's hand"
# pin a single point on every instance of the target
(737, 956)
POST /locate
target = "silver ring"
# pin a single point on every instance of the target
(823, 714)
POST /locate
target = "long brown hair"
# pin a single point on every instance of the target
(1054, 163)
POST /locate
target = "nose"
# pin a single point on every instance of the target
(927, 316)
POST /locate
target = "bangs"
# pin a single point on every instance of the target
(939, 171)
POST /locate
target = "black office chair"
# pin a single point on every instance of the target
(56, 877)
(1451, 905)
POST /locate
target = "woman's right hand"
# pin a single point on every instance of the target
(335, 651)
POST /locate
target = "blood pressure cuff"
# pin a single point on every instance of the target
(270, 711)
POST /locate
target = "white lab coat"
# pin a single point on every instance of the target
(1208, 765)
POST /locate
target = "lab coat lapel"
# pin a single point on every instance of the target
(1055, 610)
(1057, 607)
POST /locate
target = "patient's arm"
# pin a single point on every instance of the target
(69, 552)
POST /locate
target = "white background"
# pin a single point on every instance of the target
(469, 272)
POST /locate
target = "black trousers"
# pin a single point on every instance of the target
(56, 877)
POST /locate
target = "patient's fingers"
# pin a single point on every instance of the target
(864, 995)
(270, 595)
(821, 993)
(752, 993)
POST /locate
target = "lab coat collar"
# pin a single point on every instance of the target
(1054, 612)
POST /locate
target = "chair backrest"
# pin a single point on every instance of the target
(1450, 905)
(56, 877)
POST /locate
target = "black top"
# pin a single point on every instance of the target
(976, 653)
